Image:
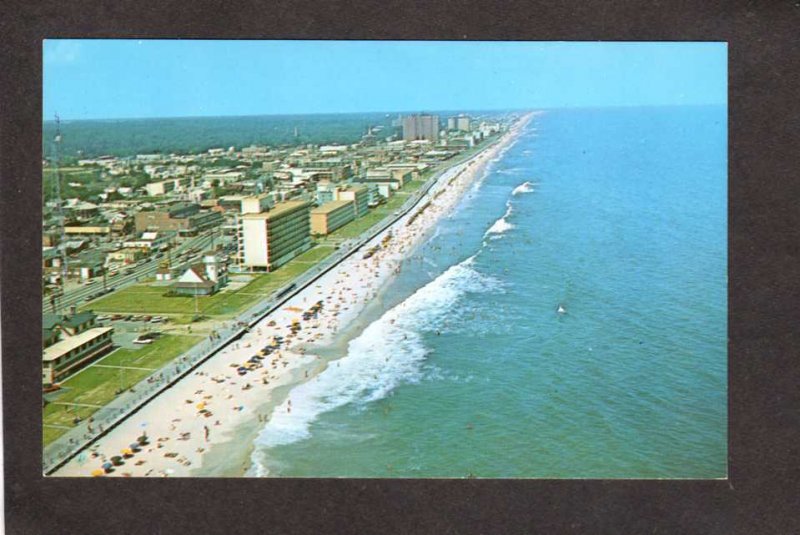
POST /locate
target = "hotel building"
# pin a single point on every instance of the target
(360, 197)
(330, 216)
(270, 239)
(416, 127)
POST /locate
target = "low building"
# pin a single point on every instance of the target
(270, 239)
(330, 216)
(413, 169)
(127, 255)
(184, 218)
(149, 241)
(122, 226)
(360, 197)
(50, 257)
(203, 278)
(163, 187)
(71, 342)
(395, 178)
(75, 230)
(83, 210)
(88, 264)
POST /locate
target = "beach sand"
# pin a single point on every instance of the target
(216, 407)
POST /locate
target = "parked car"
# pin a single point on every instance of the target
(142, 340)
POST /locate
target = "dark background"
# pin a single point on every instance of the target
(764, 252)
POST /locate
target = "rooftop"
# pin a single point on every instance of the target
(63, 347)
(357, 189)
(329, 207)
(280, 209)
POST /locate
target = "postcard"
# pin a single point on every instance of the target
(384, 259)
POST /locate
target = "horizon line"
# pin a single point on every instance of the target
(399, 112)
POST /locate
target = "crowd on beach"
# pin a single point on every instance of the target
(170, 435)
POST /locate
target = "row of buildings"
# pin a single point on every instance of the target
(229, 189)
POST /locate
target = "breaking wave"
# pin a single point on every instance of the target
(501, 225)
(388, 353)
(525, 187)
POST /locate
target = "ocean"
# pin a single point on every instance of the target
(568, 320)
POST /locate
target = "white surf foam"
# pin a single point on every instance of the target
(510, 171)
(501, 225)
(389, 352)
(525, 187)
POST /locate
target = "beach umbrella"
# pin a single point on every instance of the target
(127, 452)
(201, 405)
(142, 440)
(107, 467)
(117, 460)
(99, 472)
(135, 446)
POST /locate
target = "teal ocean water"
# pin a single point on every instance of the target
(619, 217)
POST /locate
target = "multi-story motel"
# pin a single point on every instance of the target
(330, 216)
(360, 197)
(270, 239)
(71, 342)
(184, 218)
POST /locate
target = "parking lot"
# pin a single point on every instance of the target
(128, 328)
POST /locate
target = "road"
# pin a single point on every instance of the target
(127, 276)
(79, 437)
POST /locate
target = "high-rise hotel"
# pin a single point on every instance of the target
(423, 126)
(270, 239)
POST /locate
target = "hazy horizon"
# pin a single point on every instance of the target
(378, 112)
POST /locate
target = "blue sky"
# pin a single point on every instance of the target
(98, 79)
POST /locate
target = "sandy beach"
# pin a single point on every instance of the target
(245, 382)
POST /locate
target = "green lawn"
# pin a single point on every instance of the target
(97, 385)
(413, 185)
(154, 355)
(144, 299)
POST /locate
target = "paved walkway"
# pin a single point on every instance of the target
(75, 404)
(124, 367)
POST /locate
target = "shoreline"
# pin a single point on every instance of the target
(206, 424)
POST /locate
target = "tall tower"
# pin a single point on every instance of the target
(59, 208)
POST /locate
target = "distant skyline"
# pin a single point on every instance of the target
(119, 79)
